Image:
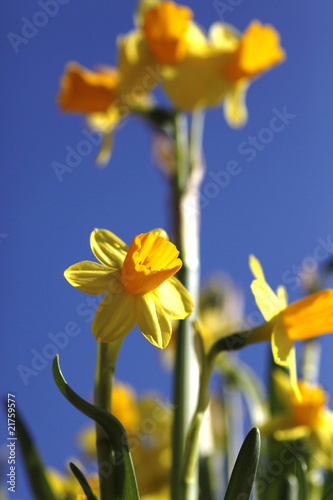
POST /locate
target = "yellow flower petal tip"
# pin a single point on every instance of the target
(139, 284)
(84, 91)
(259, 49)
(165, 27)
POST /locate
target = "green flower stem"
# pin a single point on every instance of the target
(192, 442)
(105, 367)
(186, 224)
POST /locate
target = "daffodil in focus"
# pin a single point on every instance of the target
(305, 416)
(301, 320)
(221, 70)
(139, 284)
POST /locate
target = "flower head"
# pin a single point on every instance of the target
(165, 27)
(139, 285)
(305, 415)
(84, 91)
(304, 319)
(220, 69)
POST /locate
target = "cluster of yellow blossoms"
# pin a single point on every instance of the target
(167, 48)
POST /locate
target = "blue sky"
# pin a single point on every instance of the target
(278, 207)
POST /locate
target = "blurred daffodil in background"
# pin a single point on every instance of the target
(304, 319)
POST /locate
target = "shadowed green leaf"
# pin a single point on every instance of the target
(244, 471)
(126, 487)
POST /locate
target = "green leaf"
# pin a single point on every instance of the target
(33, 463)
(125, 481)
(83, 482)
(244, 471)
(301, 474)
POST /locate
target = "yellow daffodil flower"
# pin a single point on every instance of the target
(139, 284)
(306, 416)
(222, 69)
(304, 319)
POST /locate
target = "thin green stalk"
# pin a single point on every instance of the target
(192, 443)
(105, 368)
(186, 224)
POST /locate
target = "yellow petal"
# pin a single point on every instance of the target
(256, 268)
(152, 320)
(235, 110)
(174, 298)
(108, 248)
(284, 354)
(90, 277)
(309, 317)
(115, 316)
(224, 37)
(282, 294)
(268, 303)
(139, 72)
(292, 434)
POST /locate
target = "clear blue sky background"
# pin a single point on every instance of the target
(277, 207)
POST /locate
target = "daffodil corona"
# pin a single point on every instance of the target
(139, 284)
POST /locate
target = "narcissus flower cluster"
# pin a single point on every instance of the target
(139, 284)
(166, 47)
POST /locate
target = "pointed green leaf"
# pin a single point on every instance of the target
(244, 471)
(33, 463)
(83, 482)
(126, 487)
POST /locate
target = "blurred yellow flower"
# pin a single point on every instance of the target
(221, 69)
(304, 319)
(139, 285)
(220, 309)
(84, 91)
(147, 421)
(306, 416)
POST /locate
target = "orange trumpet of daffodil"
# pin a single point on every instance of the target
(139, 284)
